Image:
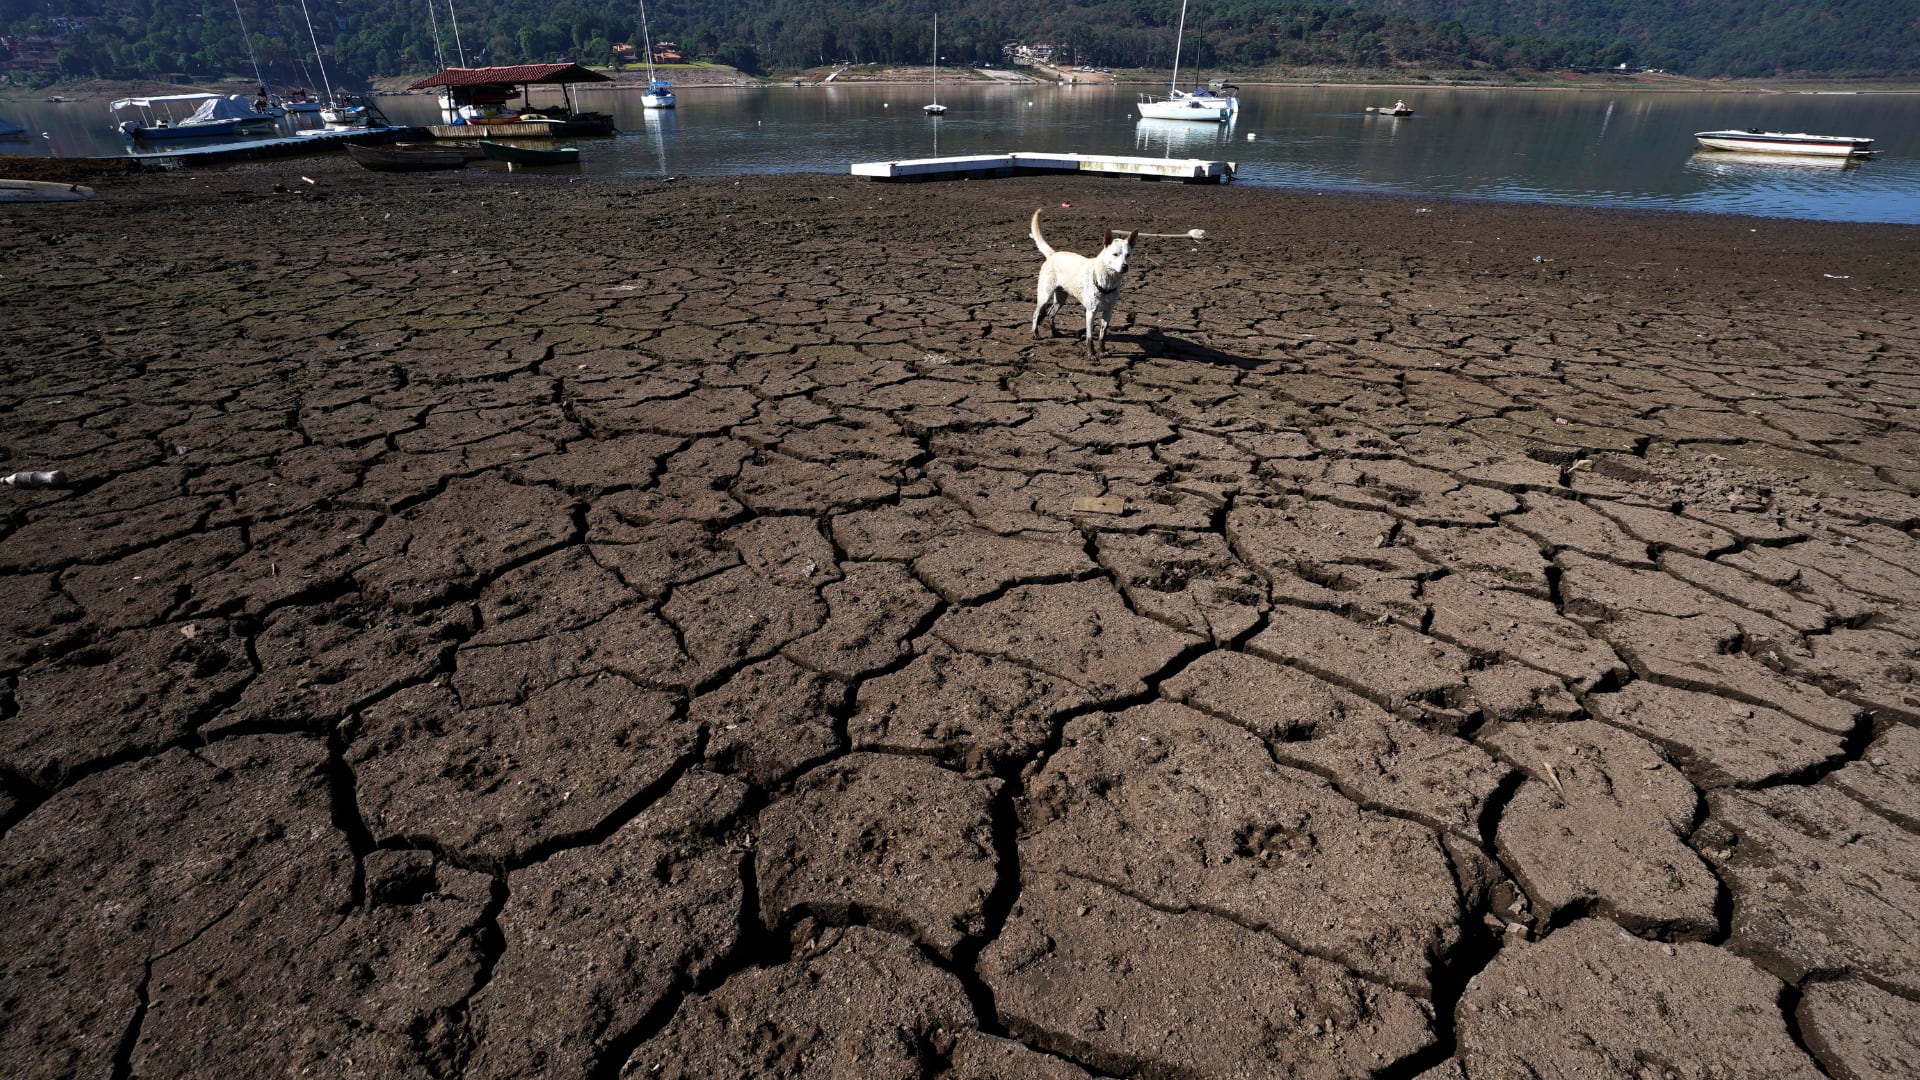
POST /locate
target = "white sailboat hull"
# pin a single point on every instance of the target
(1779, 142)
(1214, 110)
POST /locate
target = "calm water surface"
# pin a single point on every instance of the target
(1605, 149)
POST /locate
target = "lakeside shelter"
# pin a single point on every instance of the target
(484, 91)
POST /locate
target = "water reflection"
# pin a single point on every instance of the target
(1736, 163)
(1180, 138)
(1624, 148)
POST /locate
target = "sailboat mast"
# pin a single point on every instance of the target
(248, 38)
(439, 54)
(1177, 38)
(324, 81)
(459, 48)
(646, 42)
(936, 58)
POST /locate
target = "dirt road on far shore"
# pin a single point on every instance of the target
(514, 625)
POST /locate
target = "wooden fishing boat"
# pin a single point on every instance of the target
(407, 158)
(527, 155)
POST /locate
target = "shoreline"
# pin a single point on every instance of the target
(98, 91)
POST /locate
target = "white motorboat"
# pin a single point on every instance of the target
(1201, 104)
(214, 116)
(1755, 141)
(935, 109)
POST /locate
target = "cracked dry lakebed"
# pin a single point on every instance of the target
(531, 626)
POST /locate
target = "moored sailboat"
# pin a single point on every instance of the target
(1201, 104)
(659, 93)
(936, 108)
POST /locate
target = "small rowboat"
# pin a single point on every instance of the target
(406, 159)
(527, 155)
(1783, 142)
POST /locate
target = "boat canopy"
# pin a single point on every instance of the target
(149, 102)
(233, 107)
(516, 75)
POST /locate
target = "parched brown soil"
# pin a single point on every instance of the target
(512, 625)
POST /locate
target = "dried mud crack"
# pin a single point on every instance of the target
(512, 626)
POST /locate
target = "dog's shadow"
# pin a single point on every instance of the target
(1155, 344)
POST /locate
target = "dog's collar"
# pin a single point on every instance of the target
(1104, 290)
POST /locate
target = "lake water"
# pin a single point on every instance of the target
(1591, 148)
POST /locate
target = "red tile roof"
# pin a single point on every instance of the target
(545, 74)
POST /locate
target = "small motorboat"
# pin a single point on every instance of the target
(407, 158)
(528, 155)
(1398, 108)
(147, 119)
(1755, 141)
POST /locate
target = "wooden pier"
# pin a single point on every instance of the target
(983, 166)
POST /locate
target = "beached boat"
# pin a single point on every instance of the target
(936, 108)
(1201, 104)
(1755, 141)
(12, 191)
(407, 158)
(527, 155)
(214, 116)
(659, 92)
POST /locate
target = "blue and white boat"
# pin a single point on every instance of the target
(214, 116)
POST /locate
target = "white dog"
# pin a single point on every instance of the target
(1094, 282)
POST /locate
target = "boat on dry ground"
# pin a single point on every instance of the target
(399, 158)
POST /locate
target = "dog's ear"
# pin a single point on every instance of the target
(1131, 235)
(1108, 239)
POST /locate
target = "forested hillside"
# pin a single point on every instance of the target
(1701, 37)
(364, 38)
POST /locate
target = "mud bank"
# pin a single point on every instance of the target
(512, 625)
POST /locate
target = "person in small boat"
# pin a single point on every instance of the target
(1399, 106)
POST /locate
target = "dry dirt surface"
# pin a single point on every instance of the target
(512, 625)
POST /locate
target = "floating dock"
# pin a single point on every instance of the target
(984, 166)
(282, 146)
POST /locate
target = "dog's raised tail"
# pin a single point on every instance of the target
(1038, 240)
